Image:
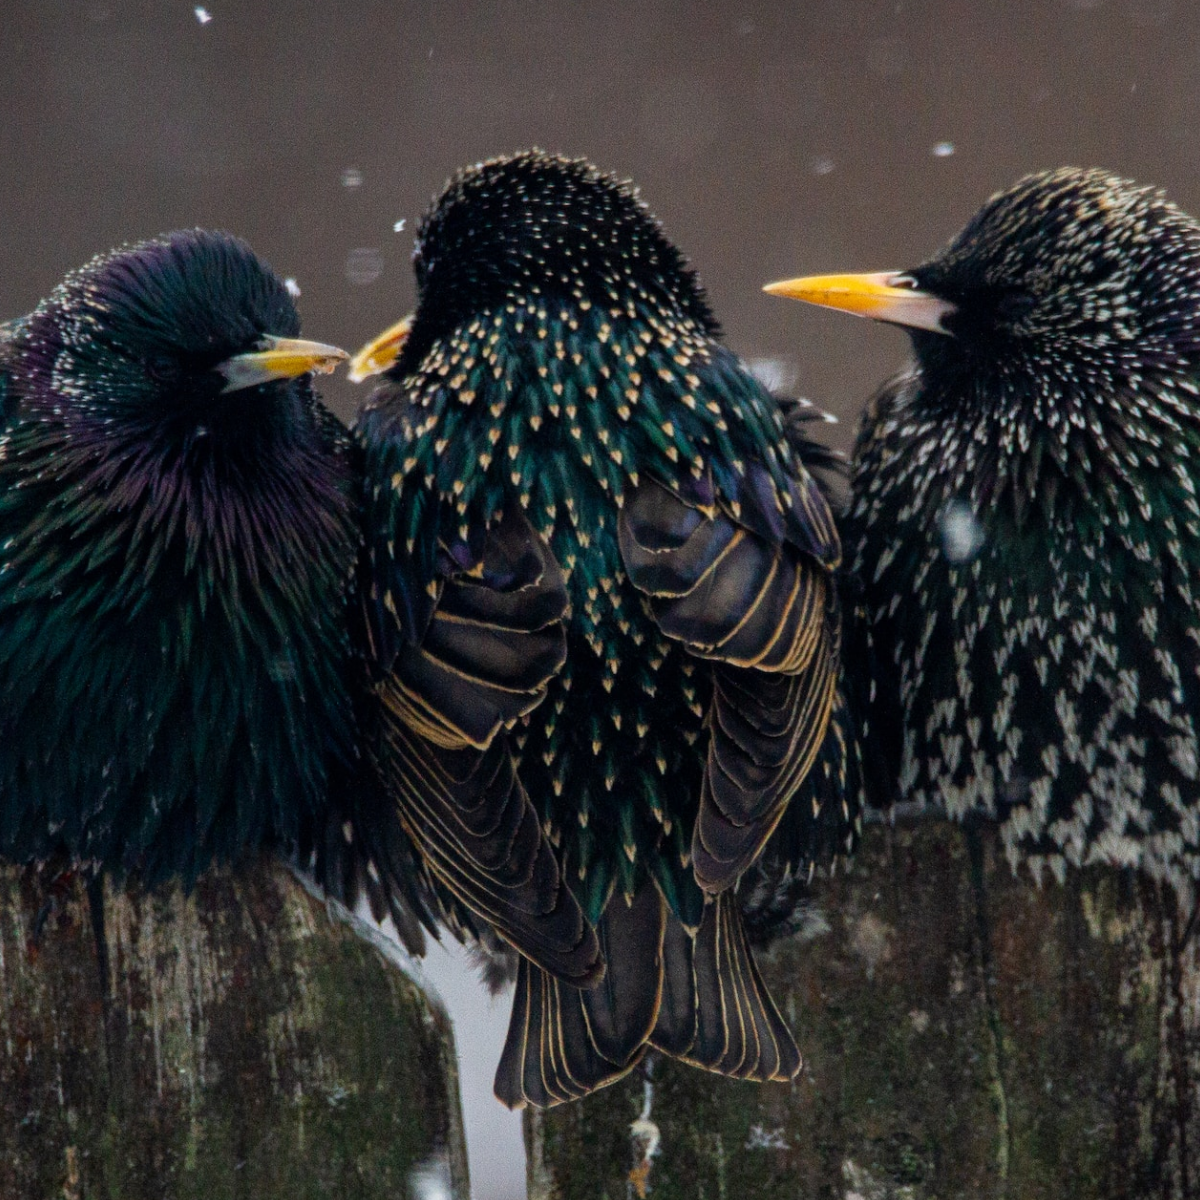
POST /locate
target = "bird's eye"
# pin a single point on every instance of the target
(160, 368)
(1013, 306)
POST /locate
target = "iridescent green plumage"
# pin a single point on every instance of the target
(563, 372)
(176, 676)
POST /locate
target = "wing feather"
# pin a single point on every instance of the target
(490, 646)
(741, 593)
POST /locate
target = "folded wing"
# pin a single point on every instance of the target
(746, 584)
(493, 640)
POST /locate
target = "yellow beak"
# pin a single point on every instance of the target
(279, 358)
(887, 296)
(380, 353)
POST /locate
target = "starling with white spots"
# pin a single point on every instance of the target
(1025, 525)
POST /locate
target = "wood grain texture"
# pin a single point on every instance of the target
(237, 1042)
(965, 1035)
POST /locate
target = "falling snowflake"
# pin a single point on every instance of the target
(364, 265)
(292, 286)
(399, 226)
(962, 534)
(942, 149)
(775, 374)
(202, 15)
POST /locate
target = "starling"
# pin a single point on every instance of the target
(558, 421)
(178, 537)
(1024, 524)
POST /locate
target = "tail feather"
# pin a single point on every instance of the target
(551, 1054)
(622, 1010)
(697, 998)
(569, 1062)
(674, 1032)
(563, 1041)
(725, 1021)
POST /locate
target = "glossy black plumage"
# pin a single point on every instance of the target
(177, 544)
(561, 377)
(1026, 529)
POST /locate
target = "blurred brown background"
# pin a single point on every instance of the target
(772, 139)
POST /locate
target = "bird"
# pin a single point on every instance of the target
(659, 701)
(1024, 527)
(179, 535)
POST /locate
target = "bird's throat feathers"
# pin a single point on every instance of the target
(1037, 442)
(234, 507)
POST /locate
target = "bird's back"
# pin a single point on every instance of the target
(562, 378)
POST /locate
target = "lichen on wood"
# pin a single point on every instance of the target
(235, 1042)
(966, 1034)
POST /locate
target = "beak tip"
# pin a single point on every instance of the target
(331, 362)
(381, 353)
(789, 289)
(365, 364)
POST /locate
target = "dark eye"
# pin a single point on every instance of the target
(161, 368)
(1013, 306)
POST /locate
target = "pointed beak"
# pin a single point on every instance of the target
(279, 358)
(888, 296)
(381, 353)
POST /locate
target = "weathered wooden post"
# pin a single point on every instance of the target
(241, 1043)
(966, 1034)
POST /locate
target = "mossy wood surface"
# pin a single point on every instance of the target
(965, 1034)
(236, 1043)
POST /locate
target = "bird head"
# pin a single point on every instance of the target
(1067, 269)
(529, 226)
(167, 328)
